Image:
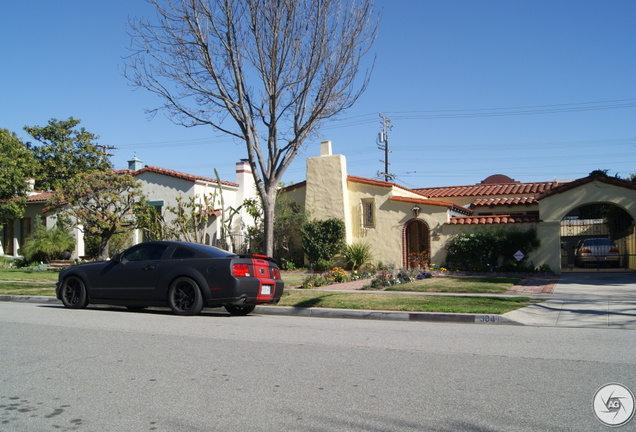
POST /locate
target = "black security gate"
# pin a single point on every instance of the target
(587, 227)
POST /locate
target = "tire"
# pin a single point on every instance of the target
(239, 310)
(184, 297)
(73, 293)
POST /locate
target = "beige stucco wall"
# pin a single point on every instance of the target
(325, 193)
(328, 194)
(386, 238)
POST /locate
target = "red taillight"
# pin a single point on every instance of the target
(586, 250)
(241, 270)
(614, 250)
(276, 273)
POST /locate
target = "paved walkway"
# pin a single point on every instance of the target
(592, 300)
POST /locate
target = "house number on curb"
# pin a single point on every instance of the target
(487, 319)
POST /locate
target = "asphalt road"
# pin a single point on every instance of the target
(104, 369)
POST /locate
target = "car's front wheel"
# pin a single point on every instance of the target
(239, 310)
(74, 294)
(184, 297)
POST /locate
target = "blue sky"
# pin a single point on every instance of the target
(534, 89)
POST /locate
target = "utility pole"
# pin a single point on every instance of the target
(383, 140)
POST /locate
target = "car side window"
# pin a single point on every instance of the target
(145, 252)
(183, 253)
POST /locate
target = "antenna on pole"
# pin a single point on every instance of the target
(383, 140)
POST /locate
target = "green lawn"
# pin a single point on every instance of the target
(28, 275)
(460, 284)
(406, 303)
(42, 283)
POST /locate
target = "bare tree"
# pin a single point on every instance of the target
(267, 72)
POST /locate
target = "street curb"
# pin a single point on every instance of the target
(334, 313)
(386, 315)
(29, 299)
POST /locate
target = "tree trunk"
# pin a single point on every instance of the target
(103, 248)
(269, 203)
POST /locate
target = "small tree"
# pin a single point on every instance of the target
(191, 218)
(103, 203)
(16, 167)
(322, 240)
(46, 244)
(65, 151)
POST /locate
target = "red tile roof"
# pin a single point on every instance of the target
(39, 197)
(373, 182)
(500, 189)
(430, 202)
(503, 201)
(498, 219)
(576, 183)
(180, 175)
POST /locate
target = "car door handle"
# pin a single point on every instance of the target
(150, 267)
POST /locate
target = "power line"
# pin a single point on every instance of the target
(488, 112)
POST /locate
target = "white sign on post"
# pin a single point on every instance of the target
(518, 255)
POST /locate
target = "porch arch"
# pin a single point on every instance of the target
(416, 239)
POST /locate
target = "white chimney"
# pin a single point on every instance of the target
(30, 186)
(325, 148)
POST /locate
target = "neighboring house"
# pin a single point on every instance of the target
(161, 187)
(397, 222)
(14, 233)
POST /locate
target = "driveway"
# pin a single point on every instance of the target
(593, 300)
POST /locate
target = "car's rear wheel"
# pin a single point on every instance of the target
(74, 294)
(239, 310)
(184, 297)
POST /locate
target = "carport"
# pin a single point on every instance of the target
(588, 208)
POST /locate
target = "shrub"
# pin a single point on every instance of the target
(46, 244)
(490, 249)
(322, 240)
(357, 255)
(314, 280)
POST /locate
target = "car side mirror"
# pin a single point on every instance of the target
(118, 258)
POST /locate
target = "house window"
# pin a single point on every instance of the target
(368, 213)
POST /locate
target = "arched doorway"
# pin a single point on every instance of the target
(416, 243)
(598, 236)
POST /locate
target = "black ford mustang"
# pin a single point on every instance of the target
(184, 276)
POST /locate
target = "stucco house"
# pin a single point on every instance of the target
(396, 221)
(162, 187)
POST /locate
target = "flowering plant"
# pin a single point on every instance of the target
(418, 256)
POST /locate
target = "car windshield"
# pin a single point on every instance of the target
(209, 250)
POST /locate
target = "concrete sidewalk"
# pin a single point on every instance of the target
(590, 300)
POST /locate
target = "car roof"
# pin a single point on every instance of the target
(206, 249)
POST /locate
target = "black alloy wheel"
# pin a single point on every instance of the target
(184, 297)
(74, 295)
